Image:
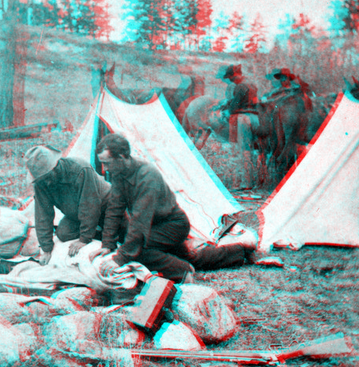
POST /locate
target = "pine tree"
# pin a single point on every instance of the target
(166, 24)
(220, 29)
(47, 14)
(179, 29)
(286, 30)
(191, 22)
(302, 39)
(204, 22)
(97, 19)
(237, 33)
(257, 40)
(303, 27)
(158, 16)
(87, 17)
(137, 29)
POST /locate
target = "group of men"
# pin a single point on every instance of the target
(136, 216)
(240, 110)
(241, 97)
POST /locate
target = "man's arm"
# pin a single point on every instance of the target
(114, 217)
(145, 203)
(44, 219)
(89, 209)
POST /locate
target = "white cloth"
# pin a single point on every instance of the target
(63, 269)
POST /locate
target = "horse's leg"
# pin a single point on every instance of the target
(201, 138)
(291, 126)
(262, 164)
(185, 123)
(245, 149)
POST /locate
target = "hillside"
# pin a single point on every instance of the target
(55, 82)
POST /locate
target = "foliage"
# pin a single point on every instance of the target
(159, 24)
(179, 29)
(221, 31)
(337, 19)
(237, 33)
(257, 41)
(204, 22)
(286, 30)
(351, 18)
(88, 17)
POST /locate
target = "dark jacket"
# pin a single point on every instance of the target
(148, 199)
(241, 98)
(78, 191)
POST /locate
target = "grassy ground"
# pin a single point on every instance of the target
(313, 296)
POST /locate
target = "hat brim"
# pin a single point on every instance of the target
(278, 75)
(238, 75)
(29, 178)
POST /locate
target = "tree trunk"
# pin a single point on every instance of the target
(7, 69)
(20, 65)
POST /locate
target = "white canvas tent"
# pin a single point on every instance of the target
(318, 201)
(155, 135)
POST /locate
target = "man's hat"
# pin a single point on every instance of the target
(40, 160)
(277, 73)
(233, 70)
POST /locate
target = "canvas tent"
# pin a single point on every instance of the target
(155, 135)
(318, 201)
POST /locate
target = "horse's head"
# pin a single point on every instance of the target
(219, 122)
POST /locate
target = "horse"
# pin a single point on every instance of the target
(282, 124)
(177, 98)
(203, 117)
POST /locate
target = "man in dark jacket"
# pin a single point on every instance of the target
(157, 226)
(241, 112)
(285, 84)
(71, 185)
(240, 95)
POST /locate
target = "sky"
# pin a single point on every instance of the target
(271, 12)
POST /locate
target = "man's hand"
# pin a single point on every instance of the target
(111, 269)
(107, 269)
(101, 251)
(75, 248)
(44, 257)
(140, 271)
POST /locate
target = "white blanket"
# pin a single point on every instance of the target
(63, 269)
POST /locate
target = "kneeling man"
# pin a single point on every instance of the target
(71, 185)
(157, 226)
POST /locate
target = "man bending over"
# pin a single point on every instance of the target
(71, 185)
